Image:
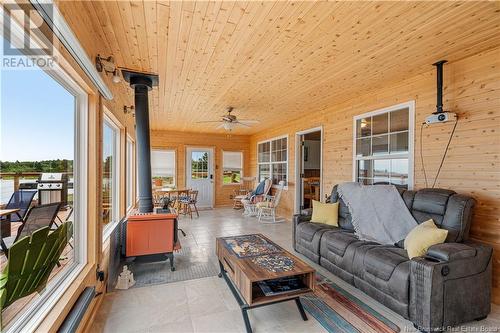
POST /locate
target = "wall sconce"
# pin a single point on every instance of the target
(107, 65)
(129, 110)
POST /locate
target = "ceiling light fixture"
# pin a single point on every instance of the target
(129, 110)
(116, 77)
(228, 126)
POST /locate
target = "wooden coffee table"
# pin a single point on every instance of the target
(246, 260)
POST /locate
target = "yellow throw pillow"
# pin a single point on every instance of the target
(327, 213)
(422, 237)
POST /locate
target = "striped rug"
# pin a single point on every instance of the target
(339, 311)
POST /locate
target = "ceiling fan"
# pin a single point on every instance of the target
(229, 121)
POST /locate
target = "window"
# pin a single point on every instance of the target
(163, 167)
(273, 160)
(130, 169)
(43, 129)
(383, 142)
(232, 167)
(110, 175)
(199, 165)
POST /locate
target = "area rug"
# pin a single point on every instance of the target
(339, 311)
(155, 269)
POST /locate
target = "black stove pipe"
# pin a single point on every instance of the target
(439, 68)
(142, 84)
(143, 145)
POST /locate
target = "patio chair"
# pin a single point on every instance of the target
(36, 218)
(32, 259)
(267, 208)
(259, 194)
(242, 192)
(21, 200)
(189, 201)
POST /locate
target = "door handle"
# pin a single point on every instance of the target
(211, 176)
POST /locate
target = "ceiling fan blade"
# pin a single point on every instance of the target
(208, 121)
(248, 121)
(240, 123)
(220, 126)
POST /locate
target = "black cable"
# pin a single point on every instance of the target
(421, 153)
(445, 152)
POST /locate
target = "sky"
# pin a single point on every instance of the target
(36, 117)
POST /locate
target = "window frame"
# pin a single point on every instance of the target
(410, 105)
(270, 163)
(241, 170)
(108, 119)
(175, 163)
(37, 310)
(130, 173)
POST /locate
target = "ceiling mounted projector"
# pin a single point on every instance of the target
(441, 117)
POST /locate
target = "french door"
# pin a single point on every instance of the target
(200, 174)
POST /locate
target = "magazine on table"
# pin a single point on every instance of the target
(281, 286)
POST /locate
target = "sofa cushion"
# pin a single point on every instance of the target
(344, 215)
(337, 242)
(382, 261)
(306, 231)
(337, 249)
(384, 268)
(447, 209)
(308, 236)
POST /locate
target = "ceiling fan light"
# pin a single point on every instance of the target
(228, 126)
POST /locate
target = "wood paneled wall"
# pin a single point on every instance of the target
(178, 141)
(471, 89)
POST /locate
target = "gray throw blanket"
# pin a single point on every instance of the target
(378, 212)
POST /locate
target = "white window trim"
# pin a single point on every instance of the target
(37, 310)
(411, 135)
(242, 167)
(132, 167)
(108, 229)
(175, 163)
(271, 163)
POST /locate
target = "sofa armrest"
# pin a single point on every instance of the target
(443, 281)
(451, 251)
(297, 219)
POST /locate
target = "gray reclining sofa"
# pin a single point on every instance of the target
(450, 285)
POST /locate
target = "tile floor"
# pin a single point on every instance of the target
(207, 305)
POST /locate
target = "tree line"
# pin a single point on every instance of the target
(37, 166)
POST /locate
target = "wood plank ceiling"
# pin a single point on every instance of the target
(274, 61)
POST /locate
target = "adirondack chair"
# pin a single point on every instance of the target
(31, 260)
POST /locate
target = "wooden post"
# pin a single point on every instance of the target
(16, 182)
